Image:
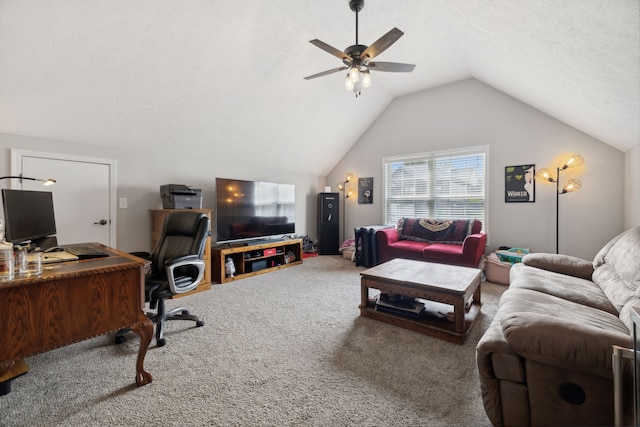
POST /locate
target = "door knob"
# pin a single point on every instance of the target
(101, 222)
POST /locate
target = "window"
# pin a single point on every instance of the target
(271, 199)
(444, 185)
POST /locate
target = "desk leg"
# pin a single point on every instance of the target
(144, 329)
(9, 371)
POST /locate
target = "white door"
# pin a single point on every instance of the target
(83, 195)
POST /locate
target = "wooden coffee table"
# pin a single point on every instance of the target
(446, 289)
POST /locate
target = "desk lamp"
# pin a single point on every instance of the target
(20, 177)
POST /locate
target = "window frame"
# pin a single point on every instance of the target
(431, 156)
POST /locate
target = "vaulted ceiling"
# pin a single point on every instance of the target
(224, 78)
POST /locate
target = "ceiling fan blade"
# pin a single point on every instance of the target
(381, 44)
(330, 49)
(324, 73)
(394, 67)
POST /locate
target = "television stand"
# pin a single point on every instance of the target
(254, 259)
(262, 241)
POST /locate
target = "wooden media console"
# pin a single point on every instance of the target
(255, 259)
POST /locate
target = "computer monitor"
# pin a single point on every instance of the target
(29, 217)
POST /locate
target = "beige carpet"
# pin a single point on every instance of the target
(284, 348)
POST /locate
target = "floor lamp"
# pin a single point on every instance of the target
(342, 186)
(570, 186)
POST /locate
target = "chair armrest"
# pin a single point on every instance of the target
(558, 263)
(184, 283)
(384, 238)
(562, 343)
(182, 260)
(473, 248)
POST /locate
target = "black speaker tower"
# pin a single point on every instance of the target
(328, 223)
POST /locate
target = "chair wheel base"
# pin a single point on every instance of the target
(161, 342)
(200, 323)
(119, 339)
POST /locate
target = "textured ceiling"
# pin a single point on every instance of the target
(224, 76)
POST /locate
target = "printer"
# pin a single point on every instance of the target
(178, 196)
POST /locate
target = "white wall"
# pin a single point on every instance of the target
(141, 174)
(461, 114)
(632, 187)
(470, 113)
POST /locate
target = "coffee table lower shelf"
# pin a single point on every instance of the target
(426, 324)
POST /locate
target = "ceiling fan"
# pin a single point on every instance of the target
(358, 58)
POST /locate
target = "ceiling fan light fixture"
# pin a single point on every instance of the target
(357, 59)
(366, 79)
(354, 74)
(348, 83)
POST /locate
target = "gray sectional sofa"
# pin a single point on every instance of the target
(546, 357)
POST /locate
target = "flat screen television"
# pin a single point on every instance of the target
(28, 216)
(254, 210)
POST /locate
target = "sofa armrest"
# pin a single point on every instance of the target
(561, 343)
(473, 248)
(558, 263)
(384, 238)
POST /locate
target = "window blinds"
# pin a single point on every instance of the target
(444, 185)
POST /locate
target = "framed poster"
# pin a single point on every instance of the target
(365, 191)
(519, 183)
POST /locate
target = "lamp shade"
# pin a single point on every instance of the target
(545, 174)
(574, 160)
(571, 185)
(366, 79)
(354, 74)
(348, 83)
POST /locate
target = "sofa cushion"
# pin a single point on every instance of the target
(563, 264)
(443, 252)
(625, 313)
(581, 291)
(407, 249)
(561, 333)
(435, 230)
(617, 268)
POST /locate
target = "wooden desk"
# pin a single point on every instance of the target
(72, 302)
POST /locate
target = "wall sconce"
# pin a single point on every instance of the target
(347, 192)
(20, 177)
(570, 186)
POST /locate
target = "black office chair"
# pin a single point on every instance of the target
(177, 266)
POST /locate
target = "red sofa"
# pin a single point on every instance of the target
(459, 242)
